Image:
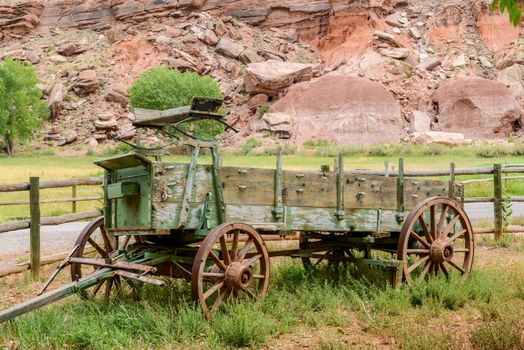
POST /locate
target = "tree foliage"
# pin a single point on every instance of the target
(514, 8)
(21, 106)
(162, 88)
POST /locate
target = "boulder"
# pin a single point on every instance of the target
(257, 101)
(279, 124)
(397, 53)
(67, 50)
(476, 107)
(420, 122)
(118, 95)
(70, 136)
(272, 76)
(86, 83)
(460, 61)
(56, 100)
(250, 56)
(342, 109)
(387, 38)
(208, 37)
(229, 48)
(106, 125)
(512, 77)
(444, 138)
(415, 33)
(429, 64)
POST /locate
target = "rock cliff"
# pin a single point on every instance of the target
(348, 71)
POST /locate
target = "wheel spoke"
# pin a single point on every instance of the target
(234, 248)
(250, 294)
(444, 270)
(107, 242)
(99, 249)
(217, 261)
(252, 260)
(259, 277)
(461, 250)
(225, 253)
(426, 269)
(213, 274)
(425, 229)
(419, 239)
(442, 220)
(109, 285)
(223, 295)
(97, 287)
(432, 224)
(245, 249)
(452, 263)
(452, 223)
(213, 289)
(417, 264)
(456, 235)
(418, 251)
(126, 241)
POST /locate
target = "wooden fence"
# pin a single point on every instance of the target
(499, 173)
(35, 220)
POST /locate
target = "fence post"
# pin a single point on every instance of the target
(497, 199)
(73, 194)
(386, 168)
(452, 181)
(34, 228)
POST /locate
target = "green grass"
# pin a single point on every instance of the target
(420, 316)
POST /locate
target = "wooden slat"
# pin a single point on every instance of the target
(24, 186)
(50, 220)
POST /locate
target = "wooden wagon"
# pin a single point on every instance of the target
(206, 222)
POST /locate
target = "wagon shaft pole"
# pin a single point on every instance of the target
(55, 295)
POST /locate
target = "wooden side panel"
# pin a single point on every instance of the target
(166, 215)
(416, 190)
(370, 191)
(309, 189)
(247, 185)
(170, 181)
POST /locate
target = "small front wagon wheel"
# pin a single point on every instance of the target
(223, 269)
(437, 237)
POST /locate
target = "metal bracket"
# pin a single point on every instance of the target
(339, 214)
(278, 209)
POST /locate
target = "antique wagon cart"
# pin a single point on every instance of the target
(206, 222)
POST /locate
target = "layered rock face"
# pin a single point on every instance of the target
(347, 71)
(341, 109)
(476, 107)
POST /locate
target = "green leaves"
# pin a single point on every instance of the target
(163, 88)
(514, 8)
(21, 106)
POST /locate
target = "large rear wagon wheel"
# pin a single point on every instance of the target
(222, 269)
(95, 242)
(437, 237)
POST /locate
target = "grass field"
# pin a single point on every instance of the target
(317, 310)
(19, 169)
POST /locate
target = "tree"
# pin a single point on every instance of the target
(21, 106)
(514, 8)
(163, 88)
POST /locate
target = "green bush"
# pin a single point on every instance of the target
(250, 144)
(163, 88)
(21, 106)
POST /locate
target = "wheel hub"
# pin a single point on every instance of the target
(238, 276)
(440, 251)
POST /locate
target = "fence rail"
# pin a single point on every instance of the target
(35, 221)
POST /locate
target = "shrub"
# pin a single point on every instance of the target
(21, 106)
(250, 144)
(163, 88)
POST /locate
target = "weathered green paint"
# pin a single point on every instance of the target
(498, 200)
(400, 191)
(278, 210)
(133, 211)
(339, 213)
(122, 189)
(188, 189)
(55, 295)
(108, 212)
(217, 187)
(34, 228)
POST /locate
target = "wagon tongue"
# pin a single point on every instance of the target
(107, 270)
